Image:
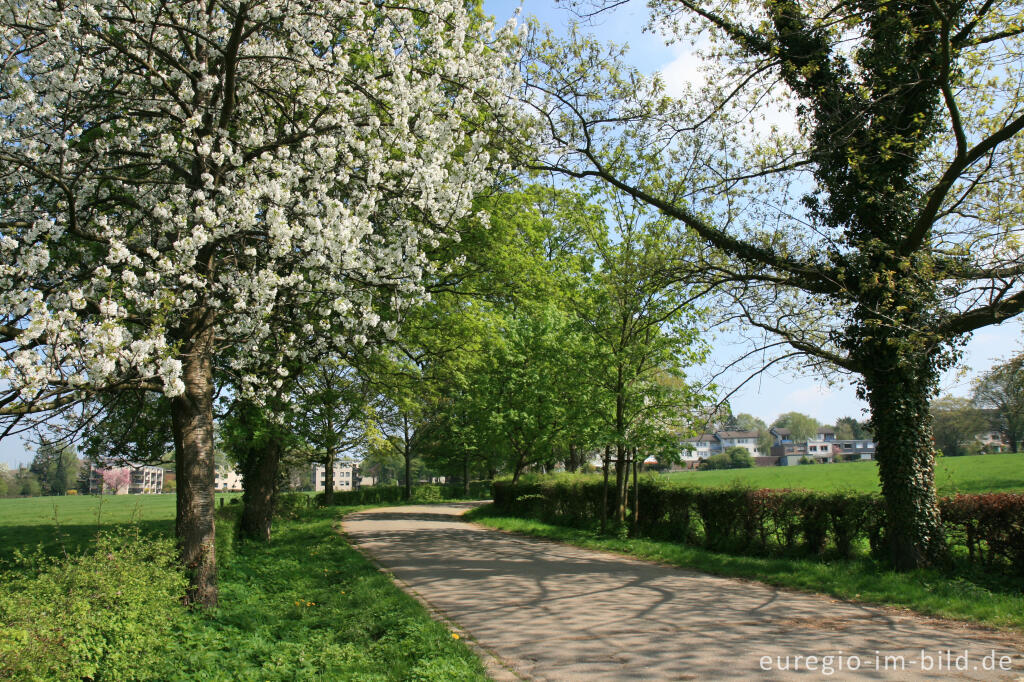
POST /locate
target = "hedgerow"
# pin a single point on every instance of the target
(985, 530)
(387, 494)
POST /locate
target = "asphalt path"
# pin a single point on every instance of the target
(541, 610)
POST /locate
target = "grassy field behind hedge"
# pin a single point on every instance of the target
(969, 475)
(308, 606)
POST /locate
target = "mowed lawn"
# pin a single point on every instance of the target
(69, 522)
(973, 474)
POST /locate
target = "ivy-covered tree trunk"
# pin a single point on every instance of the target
(260, 477)
(192, 421)
(407, 454)
(906, 464)
(465, 473)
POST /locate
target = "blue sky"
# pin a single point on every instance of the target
(770, 394)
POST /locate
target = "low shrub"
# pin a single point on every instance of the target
(984, 530)
(105, 614)
(990, 527)
(378, 494)
(291, 505)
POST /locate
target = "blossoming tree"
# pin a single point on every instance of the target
(183, 181)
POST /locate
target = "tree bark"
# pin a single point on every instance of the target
(329, 480)
(905, 451)
(636, 495)
(573, 464)
(621, 480)
(260, 472)
(192, 421)
(520, 462)
(407, 453)
(465, 474)
(604, 490)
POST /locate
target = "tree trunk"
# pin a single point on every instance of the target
(192, 421)
(621, 481)
(407, 453)
(905, 450)
(329, 480)
(573, 464)
(604, 490)
(520, 462)
(465, 474)
(260, 472)
(636, 495)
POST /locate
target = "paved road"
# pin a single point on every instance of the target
(547, 611)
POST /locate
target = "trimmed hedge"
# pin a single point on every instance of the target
(389, 494)
(982, 529)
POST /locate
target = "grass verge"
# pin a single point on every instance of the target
(988, 600)
(310, 607)
(307, 606)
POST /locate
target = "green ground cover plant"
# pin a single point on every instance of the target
(103, 614)
(982, 598)
(306, 606)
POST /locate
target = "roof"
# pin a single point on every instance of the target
(737, 434)
(700, 439)
(781, 430)
(826, 429)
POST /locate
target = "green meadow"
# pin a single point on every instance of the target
(969, 475)
(68, 523)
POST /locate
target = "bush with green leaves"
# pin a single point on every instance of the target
(104, 615)
(734, 458)
(985, 531)
(291, 505)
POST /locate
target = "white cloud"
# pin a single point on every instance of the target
(688, 72)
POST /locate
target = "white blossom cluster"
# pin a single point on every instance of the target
(273, 170)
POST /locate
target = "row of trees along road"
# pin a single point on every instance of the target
(874, 236)
(191, 189)
(188, 215)
(569, 333)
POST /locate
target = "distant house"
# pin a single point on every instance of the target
(854, 449)
(126, 480)
(787, 448)
(739, 439)
(346, 476)
(227, 480)
(993, 441)
(700, 447)
(821, 450)
(781, 434)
